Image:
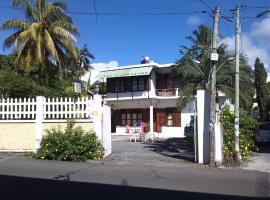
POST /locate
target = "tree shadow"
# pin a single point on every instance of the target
(179, 148)
(14, 187)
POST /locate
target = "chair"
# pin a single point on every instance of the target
(132, 137)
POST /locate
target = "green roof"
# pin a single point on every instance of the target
(125, 72)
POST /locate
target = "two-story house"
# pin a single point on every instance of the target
(147, 93)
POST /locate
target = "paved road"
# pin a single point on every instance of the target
(260, 161)
(151, 174)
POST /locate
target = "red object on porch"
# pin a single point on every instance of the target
(127, 128)
(142, 125)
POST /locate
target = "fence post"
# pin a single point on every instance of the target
(39, 120)
(97, 116)
(106, 129)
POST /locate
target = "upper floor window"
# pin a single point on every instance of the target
(138, 84)
(126, 84)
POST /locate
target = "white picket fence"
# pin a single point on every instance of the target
(40, 112)
(52, 108)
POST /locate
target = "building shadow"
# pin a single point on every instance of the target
(179, 148)
(12, 187)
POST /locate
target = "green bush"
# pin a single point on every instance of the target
(73, 144)
(246, 136)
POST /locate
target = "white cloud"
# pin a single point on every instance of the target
(254, 43)
(194, 21)
(97, 68)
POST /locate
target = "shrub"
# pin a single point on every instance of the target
(73, 144)
(246, 136)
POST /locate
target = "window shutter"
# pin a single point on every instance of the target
(176, 118)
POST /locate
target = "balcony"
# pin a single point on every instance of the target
(173, 92)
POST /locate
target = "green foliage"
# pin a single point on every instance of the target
(15, 85)
(248, 126)
(45, 36)
(262, 94)
(194, 69)
(7, 61)
(73, 144)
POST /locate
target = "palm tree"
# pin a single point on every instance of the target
(194, 70)
(200, 42)
(75, 68)
(85, 57)
(43, 37)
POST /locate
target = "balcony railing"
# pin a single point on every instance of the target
(167, 92)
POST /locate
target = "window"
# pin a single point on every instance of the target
(120, 85)
(130, 117)
(138, 84)
(134, 84)
(123, 119)
(111, 85)
(141, 83)
(170, 83)
(169, 119)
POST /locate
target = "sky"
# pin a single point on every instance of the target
(120, 32)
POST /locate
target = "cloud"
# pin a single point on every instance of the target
(254, 43)
(194, 21)
(97, 68)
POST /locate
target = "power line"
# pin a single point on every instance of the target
(206, 5)
(254, 7)
(95, 11)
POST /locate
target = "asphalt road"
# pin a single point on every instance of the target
(123, 175)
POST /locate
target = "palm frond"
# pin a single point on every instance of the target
(63, 33)
(15, 24)
(50, 45)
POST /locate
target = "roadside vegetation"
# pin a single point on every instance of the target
(72, 144)
(248, 126)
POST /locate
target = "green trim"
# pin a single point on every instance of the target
(126, 72)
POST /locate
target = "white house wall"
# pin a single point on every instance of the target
(186, 113)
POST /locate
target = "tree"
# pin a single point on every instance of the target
(200, 43)
(7, 61)
(75, 68)
(43, 37)
(194, 71)
(262, 94)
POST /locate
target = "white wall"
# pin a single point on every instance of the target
(203, 115)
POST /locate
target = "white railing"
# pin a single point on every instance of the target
(167, 92)
(66, 108)
(17, 108)
(52, 108)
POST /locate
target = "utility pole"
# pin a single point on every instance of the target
(236, 108)
(214, 59)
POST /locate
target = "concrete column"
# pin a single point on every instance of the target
(152, 84)
(107, 140)
(203, 116)
(151, 117)
(39, 120)
(97, 116)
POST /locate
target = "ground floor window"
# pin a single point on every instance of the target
(130, 117)
(169, 119)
